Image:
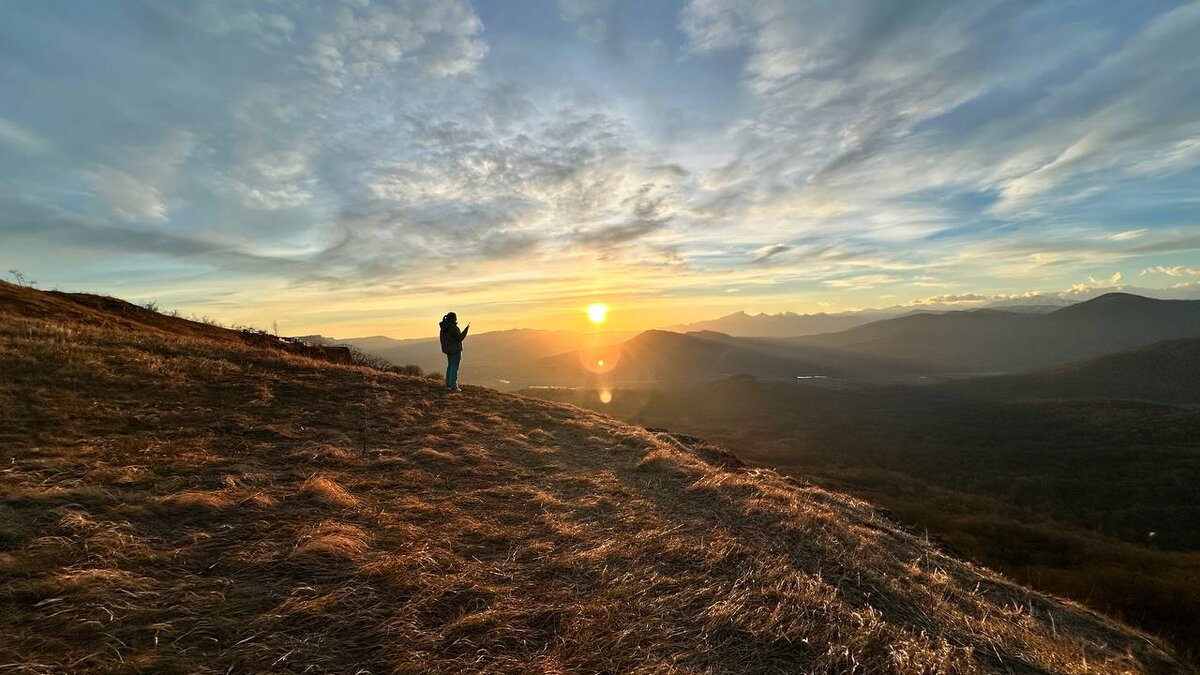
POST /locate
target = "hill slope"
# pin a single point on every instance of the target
(787, 324)
(994, 340)
(1166, 371)
(179, 502)
(671, 358)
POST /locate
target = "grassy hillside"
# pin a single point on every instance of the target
(174, 500)
(1093, 499)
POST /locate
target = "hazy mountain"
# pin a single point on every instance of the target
(1023, 309)
(1164, 371)
(996, 340)
(665, 357)
(790, 324)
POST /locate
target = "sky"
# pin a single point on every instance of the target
(358, 167)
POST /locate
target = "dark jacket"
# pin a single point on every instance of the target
(452, 338)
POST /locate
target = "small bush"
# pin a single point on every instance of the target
(360, 358)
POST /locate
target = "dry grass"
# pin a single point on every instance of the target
(325, 491)
(176, 502)
(334, 539)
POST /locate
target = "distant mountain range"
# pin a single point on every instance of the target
(790, 324)
(948, 344)
(994, 340)
(787, 324)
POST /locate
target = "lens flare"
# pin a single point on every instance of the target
(597, 313)
(600, 360)
(606, 396)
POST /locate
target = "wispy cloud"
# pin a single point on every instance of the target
(1173, 271)
(864, 281)
(765, 253)
(1127, 235)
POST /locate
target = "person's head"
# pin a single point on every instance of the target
(451, 317)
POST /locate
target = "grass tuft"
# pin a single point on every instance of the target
(335, 540)
(327, 492)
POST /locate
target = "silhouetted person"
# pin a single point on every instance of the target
(452, 339)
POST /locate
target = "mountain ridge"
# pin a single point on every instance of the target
(1008, 341)
(792, 324)
(1160, 372)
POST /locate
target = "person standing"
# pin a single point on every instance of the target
(452, 345)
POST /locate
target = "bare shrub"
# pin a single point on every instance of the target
(360, 358)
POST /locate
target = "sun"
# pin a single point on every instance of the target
(597, 313)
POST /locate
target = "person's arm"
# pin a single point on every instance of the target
(464, 333)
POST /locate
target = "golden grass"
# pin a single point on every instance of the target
(327, 492)
(160, 512)
(334, 539)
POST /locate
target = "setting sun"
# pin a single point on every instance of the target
(597, 313)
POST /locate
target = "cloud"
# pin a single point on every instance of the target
(39, 224)
(369, 40)
(135, 190)
(1135, 108)
(590, 16)
(1093, 284)
(864, 104)
(1173, 271)
(956, 299)
(274, 181)
(765, 253)
(864, 281)
(1127, 235)
(928, 281)
(22, 139)
(1111, 281)
(131, 199)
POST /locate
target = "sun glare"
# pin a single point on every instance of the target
(597, 313)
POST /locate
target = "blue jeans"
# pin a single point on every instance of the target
(452, 361)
